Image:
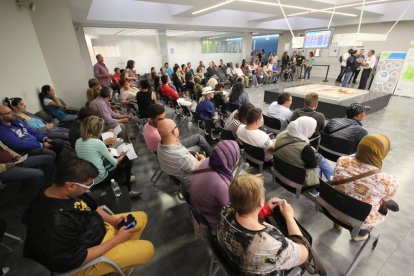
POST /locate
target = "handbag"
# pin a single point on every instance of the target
(313, 265)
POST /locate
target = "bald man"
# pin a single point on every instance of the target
(173, 157)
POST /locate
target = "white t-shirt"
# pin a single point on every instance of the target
(345, 57)
(257, 138)
(371, 62)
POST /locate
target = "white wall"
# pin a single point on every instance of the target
(56, 35)
(146, 52)
(23, 68)
(398, 40)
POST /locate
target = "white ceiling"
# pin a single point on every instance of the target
(231, 15)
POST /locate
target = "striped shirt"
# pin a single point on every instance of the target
(95, 151)
(177, 161)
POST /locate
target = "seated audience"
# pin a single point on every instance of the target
(130, 73)
(66, 228)
(22, 139)
(292, 146)
(91, 148)
(239, 74)
(101, 105)
(212, 82)
(309, 109)
(173, 157)
(251, 133)
(237, 117)
(377, 188)
(49, 129)
(210, 71)
(280, 109)
(116, 78)
(189, 84)
(156, 113)
(176, 79)
(210, 182)
(55, 105)
(169, 92)
(251, 245)
(93, 90)
(37, 170)
(145, 98)
(221, 97)
(206, 108)
(198, 88)
(349, 128)
(128, 93)
(237, 95)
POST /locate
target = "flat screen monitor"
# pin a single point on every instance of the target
(317, 39)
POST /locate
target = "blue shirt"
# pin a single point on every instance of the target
(206, 109)
(20, 137)
(169, 71)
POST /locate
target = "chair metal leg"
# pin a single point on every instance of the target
(7, 247)
(242, 161)
(373, 238)
(13, 237)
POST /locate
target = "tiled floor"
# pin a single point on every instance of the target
(179, 253)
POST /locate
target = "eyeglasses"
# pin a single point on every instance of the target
(85, 186)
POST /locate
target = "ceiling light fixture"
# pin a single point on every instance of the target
(213, 7)
(339, 7)
(308, 10)
(182, 33)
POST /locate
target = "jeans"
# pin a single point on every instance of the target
(341, 74)
(55, 152)
(69, 118)
(307, 72)
(197, 140)
(324, 167)
(127, 254)
(347, 77)
(37, 170)
(57, 133)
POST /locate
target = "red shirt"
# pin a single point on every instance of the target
(169, 92)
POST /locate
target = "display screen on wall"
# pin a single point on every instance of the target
(268, 43)
(221, 45)
(317, 39)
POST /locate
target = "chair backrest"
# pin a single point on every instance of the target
(314, 142)
(341, 208)
(196, 117)
(232, 106)
(186, 111)
(254, 152)
(272, 124)
(226, 135)
(44, 115)
(209, 125)
(290, 177)
(332, 147)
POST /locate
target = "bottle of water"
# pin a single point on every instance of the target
(115, 188)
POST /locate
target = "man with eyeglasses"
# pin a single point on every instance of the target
(22, 139)
(173, 157)
(66, 229)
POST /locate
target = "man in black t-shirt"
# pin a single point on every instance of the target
(299, 62)
(66, 229)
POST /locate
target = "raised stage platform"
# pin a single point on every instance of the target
(333, 100)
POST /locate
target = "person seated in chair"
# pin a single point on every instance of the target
(156, 113)
(280, 109)
(205, 107)
(21, 138)
(237, 118)
(170, 93)
(237, 95)
(145, 98)
(292, 146)
(49, 129)
(37, 170)
(174, 158)
(55, 105)
(91, 148)
(251, 133)
(309, 109)
(66, 229)
(349, 128)
(377, 188)
(93, 90)
(251, 245)
(210, 182)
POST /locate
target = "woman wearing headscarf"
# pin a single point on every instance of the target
(292, 146)
(210, 182)
(362, 178)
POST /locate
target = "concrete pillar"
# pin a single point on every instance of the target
(162, 42)
(246, 45)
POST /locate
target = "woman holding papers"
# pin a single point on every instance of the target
(90, 148)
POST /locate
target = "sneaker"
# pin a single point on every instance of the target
(4, 270)
(132, 179)
(360, 238)
(313, 192)
(135, 194)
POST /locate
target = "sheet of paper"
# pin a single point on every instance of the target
(22, 159)
(117, 130)
(130, 152)
(106, 135)
(114, 152)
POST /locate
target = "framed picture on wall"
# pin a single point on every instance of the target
(334, 50)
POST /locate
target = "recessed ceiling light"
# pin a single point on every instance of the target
(213, 7)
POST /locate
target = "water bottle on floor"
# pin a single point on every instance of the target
(115, 188)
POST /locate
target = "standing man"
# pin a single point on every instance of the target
(359, 58)
(299, 65)
(367, 67)
(342, 60)
(101, 72)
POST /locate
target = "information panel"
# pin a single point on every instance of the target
(317, 39)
